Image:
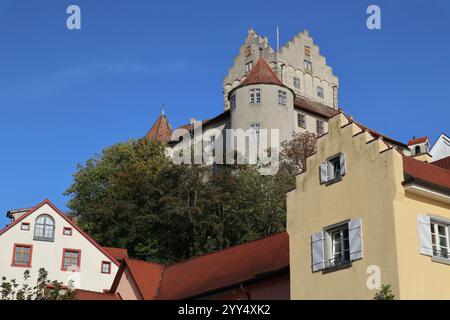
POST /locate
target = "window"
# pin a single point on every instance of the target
(337, 246)
(67, 231)
(307, 51)
(233, 102)
(320, 127)
(25, 226)
(320, 92)
(439, 239)
(296, 83)
(308, 66)
(254, 132)
(332, 169)
(213, 145)
(248, 66)
(44, 229)
(417, 150)
(255, 95)
(248, 51)
(106, 267)
(71, 260)
(282, 98)
(301, 120)
(22, 255)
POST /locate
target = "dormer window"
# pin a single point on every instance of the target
(248, 66)
(67, 231)
(417, 150)
(25, 226)
(44, 228)
(332, 169)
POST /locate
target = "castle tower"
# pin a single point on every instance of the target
(161, 130)
(298, 65)
(262, 101)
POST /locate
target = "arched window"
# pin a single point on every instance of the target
(417, 150)
(44, 228)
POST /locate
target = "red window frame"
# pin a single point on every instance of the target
(13, 261)
(109, 267)
(64, 254)
(67, 229)
(25, 224)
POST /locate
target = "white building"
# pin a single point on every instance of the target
(44, 237)
(441, 149)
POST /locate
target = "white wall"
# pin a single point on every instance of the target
(48, 255)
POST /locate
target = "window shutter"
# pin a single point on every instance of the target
(317, 248)
(342, 159)
(355, 239)
(423, 225)
(324, 172)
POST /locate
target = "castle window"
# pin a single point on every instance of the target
(296, 83)
(282, 98)
(44, 228)
(213, 145)
(254, 132)
(301, 120)
(255, 96)
(308, 66)
(332, 169)
(248, 66)
(233, 102)
(22, 255)
(307, 51)
(320, 92)
(320, 127)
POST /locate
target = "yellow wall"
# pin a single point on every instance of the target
(366, 192)
(420, 277)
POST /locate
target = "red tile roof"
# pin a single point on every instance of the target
(379, 135)
(443, 163)
(210, 272)
(426, 172)
(417, 140)
(261, 73)
(147, 276)
(315, 108)
(161, 130)
(91, 295)
(118, 253)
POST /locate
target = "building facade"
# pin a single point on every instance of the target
(362, 211)
(43, 237)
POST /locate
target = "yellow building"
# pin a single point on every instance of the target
(365, 213)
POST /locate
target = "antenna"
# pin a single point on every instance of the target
(163, 109)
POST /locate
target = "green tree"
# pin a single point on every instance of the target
(385, 293)
(132, 196)
(44, 289)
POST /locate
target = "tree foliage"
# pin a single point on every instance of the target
(44, 289)
(132, 196)
(385, 293)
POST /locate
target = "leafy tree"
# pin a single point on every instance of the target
(385, 293)
(132, 196)
(44, 289)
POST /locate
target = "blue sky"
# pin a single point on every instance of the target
(66, 95)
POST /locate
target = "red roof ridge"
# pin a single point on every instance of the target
(244, 244)
(418, 140)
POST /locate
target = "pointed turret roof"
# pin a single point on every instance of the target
(261, 73)
(161, 130)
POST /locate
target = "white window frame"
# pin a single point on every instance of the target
(282, 98)
(320, 92)
(333, 258)
(248, 66)
(439, 250)
(254, 96)
(330, 172)
(255, 129)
